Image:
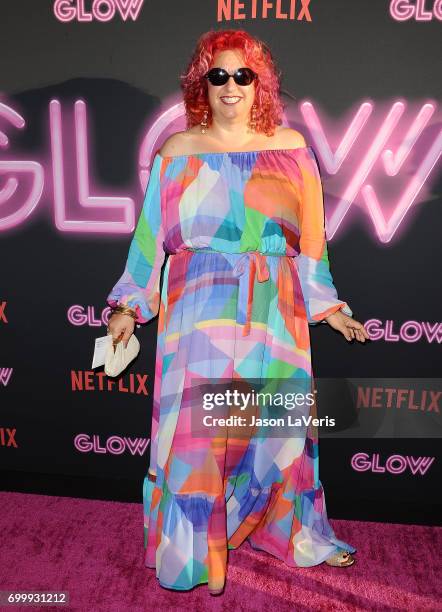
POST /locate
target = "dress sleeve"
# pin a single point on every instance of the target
(320, 295)
(138, 287)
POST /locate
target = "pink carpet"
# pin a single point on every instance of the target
(94, 550)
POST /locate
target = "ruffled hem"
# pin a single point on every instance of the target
(304, 538)
(181, 558)
(199, 530)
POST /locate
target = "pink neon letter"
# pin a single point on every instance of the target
(64, 11)
(32, 168)
(82, 443)
(401, 10)
(360, 462)
(129, 7)
(82, 15)
(107, 14)
(103, 203)
(421, 14)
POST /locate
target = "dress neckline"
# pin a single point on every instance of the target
(266, 151)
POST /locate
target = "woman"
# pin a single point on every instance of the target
(236, 203)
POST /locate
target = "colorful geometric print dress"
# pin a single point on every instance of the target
(247, 271)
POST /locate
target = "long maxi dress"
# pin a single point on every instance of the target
(247, 272)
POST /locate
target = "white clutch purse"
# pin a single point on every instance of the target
(118, 358)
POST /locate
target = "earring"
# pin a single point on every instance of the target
(253, 117)
(204, 121)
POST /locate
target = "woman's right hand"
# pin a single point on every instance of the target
(121, 326)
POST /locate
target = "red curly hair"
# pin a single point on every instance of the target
(257, 56)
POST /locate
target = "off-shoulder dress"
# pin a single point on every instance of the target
(241, 236)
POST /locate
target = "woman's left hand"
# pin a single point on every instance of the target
(349, 327)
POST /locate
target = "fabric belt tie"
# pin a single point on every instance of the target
(248, 266)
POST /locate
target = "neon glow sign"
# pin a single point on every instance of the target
(101, 10)
(395, 464)
(382, 154)
(403, 10)
(115, 445)
(79, 315)
(409, 331)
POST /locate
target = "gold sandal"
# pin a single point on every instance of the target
(341, 558)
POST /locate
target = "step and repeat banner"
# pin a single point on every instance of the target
(89, 90)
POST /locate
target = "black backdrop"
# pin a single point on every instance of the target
(56, 413)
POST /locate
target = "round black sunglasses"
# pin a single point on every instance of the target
(242, 76)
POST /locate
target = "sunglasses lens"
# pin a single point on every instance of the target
(217, 76)
(244, 76)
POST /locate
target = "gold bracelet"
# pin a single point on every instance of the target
(127, 310)
(123, 309)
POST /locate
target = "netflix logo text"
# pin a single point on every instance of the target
(3, 318)
(7, 437)
(88, 380)
(425, 400)
(293, 10)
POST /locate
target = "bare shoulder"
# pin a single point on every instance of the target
(288, 138)
(174, 144)
(179, 143)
